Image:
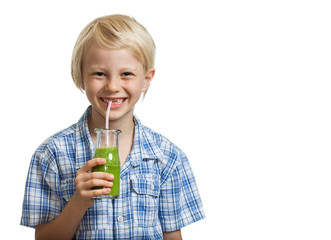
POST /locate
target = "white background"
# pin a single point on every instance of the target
(243, 87)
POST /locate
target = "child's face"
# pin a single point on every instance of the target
(114, 75)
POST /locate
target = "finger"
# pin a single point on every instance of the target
(94, 193)
(101, 175)
(94, 175)
(90, 164)
(99, 192)
(93, 183)
(97, 183)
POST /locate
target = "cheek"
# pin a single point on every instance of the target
(92, 85)
(89, 94)
(91, 89)
(134, 87)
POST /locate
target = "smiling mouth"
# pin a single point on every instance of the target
(114, 100)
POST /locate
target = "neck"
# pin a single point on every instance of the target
(125, 124)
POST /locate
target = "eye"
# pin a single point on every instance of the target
(127, 74)
(99, 74)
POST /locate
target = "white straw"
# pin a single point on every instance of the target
(107, 114)
(107, 122)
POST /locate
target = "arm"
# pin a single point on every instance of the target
(65, 224)
(174, 235)
(67, 221)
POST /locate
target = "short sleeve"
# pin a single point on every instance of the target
(41, 203)
(179, 201)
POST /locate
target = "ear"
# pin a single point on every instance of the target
(148, 79)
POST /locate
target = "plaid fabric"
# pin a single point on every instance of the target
(158, 189)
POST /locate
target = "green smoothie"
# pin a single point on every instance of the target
(112, 165)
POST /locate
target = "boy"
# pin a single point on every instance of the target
(113, 60)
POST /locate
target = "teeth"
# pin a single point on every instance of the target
(119, 101)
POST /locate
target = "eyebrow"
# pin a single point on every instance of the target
(129, 69)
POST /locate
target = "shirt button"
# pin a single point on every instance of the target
(152, 187)
(120, 219)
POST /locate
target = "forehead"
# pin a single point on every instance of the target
(100, 56)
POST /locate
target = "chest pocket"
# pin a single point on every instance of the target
(145, 193)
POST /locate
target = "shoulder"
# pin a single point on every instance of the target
(164, 148)
(50, 147)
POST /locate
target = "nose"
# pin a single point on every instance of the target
(113, 84)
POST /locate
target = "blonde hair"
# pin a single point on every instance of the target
(113, 32)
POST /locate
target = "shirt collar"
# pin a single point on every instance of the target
(144, 147)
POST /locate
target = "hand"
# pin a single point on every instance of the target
(85, 180)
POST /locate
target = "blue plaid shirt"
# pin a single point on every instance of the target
(158, 189)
